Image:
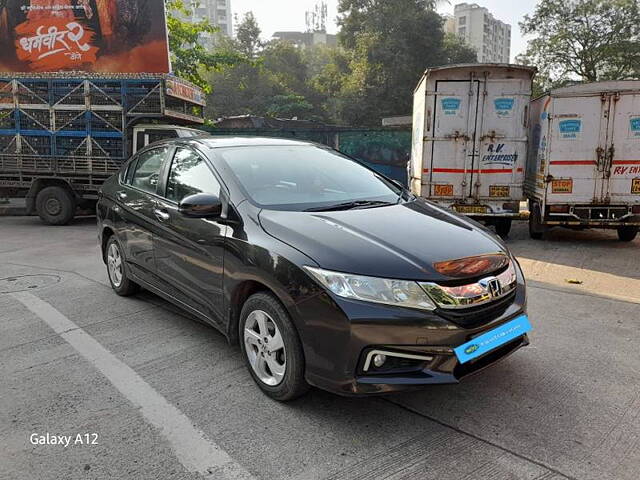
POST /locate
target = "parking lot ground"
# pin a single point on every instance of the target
(169, 398)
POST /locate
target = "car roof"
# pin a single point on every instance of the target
(231, 141)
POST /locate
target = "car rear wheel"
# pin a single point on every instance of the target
(118, 278)
(271, 348)
(627, 234)
(55, 205)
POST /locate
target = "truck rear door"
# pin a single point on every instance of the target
(579, 128)
(455, 121)
(499, 168)
(621, 182)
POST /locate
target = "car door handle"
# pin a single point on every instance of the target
(122, 195)
(162, 215)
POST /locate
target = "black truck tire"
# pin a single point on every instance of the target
(503, 227)
(536, 227)
(55, 205)
(627, 234)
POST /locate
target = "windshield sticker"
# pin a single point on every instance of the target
(570, 129)
(497, 155)
(634, 127)
(504, 107)
(450, 106)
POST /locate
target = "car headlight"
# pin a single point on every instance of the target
(400, 293)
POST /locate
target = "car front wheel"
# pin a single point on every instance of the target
(271, 348)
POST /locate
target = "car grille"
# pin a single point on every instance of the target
(475, 316)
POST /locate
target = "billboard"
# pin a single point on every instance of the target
(102, 36)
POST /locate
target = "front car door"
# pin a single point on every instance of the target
(137, 199)
(189, 252)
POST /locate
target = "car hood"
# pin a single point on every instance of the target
(400, 241)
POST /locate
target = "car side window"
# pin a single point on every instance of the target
(147, 170)
(189, 175)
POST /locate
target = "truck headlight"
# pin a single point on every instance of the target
(400, 293)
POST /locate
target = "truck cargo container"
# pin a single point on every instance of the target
(583, 169)
(470, 136)
(62, 135)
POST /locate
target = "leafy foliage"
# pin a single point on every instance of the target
(588, 40)
(385, 47)
(189, 58)
(389, 44)
(248, 35)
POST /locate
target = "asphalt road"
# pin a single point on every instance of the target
(157, 395)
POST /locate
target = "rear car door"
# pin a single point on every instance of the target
(190, 251)
(137, 200)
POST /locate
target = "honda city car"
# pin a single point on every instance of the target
(325, 272)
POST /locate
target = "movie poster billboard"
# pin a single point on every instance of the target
(102, 36)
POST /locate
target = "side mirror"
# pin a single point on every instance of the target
(201, 205)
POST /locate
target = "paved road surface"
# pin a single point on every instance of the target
(169, 398)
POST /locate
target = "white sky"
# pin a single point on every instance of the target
(275, 15)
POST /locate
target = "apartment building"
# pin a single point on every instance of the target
(218, 12)
(490, 37)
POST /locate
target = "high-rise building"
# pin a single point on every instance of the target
(218, 12)
(480, 29)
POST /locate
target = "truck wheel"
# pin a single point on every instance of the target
(55, 205)
(536, 228)
(627, 234)
(503, 227)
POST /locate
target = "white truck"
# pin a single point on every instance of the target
(470, 132)
(583, 169)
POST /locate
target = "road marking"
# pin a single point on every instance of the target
(193, 449)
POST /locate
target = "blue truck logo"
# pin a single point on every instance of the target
(504, 106)
(450, 106)
(570, 129)
(635, 126)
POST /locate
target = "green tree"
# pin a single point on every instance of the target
(389, 44)
(189, 58)
(289, 106)
(586, 40)
(248, 35)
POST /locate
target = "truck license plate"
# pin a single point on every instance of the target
(470, 208)
(499, 191)
(635, 186)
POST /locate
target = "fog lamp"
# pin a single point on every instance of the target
(379, 359)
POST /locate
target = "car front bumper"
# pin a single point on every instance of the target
(340, 336)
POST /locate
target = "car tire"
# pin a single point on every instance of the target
(536, 228)
(503, 227)
(628, 233)
(55, 205)
(116, 269)
(271, 348)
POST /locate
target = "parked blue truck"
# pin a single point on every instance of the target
(62, 135)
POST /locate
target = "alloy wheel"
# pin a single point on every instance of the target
(265, 348)
(114, 265)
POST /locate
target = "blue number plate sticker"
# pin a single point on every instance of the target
(493, 339)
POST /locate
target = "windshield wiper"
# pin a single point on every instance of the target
(350, 206)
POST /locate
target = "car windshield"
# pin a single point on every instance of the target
(306, 177)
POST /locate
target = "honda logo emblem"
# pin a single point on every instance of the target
(495, 287)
